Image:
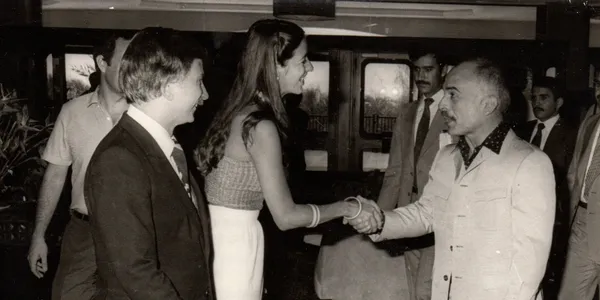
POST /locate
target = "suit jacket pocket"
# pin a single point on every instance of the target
(488, 208)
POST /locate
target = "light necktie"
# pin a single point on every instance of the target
(537, 139)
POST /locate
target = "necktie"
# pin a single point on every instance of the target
(594, 169)
(180, 161)
(422, 128)
(537, 139)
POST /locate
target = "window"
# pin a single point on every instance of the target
(385, 86)
(49, 76)
(78, 68)
(315, 101)
(315, 96)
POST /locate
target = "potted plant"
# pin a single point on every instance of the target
(22, 140)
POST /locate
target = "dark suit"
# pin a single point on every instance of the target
(151, 242)
(559, 147)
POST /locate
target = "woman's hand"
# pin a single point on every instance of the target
(370, 218)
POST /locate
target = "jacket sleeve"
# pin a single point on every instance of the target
(119, 200)
(533, 209)
(415, 219)
(392, 180)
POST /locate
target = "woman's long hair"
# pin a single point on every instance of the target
(270, 42)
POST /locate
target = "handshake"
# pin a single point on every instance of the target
(366, 216)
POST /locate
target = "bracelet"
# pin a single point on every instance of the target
(359, 207)
(315, 216)
(318, 219)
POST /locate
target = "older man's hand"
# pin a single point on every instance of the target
(370, 219)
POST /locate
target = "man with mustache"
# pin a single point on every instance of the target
(556, 137)
(415, 141)
(490, 197)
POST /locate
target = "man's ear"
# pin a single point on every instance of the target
(101, 63)
(490, 104)
(559, 103)
(167, 91)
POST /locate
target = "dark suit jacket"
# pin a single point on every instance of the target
(559, 147)
(151, 242)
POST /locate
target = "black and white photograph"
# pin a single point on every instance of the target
(299, 150)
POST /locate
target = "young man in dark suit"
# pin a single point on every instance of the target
(149, 220)
(556, 138)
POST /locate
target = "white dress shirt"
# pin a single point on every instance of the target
(433, 108)
(161, 136)
(549, 124)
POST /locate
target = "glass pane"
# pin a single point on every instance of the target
(387, 85)
(78, 69)
(315, 96)
(49, 75)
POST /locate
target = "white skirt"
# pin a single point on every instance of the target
(238, 242)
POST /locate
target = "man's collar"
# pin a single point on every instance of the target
(550, 122)
(159, 133)
(493, 141)
(437, 97)
(94, 99)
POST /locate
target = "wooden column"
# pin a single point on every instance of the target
(558, 21)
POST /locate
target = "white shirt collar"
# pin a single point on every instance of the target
(437, 98)
(549, 124)
(159, 133)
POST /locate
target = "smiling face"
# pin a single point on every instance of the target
(187, 93)
(291, 75)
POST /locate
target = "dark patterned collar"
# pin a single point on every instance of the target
(493, 142)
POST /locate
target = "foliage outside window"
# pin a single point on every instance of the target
(315, 96)
(78, 68)
(386, 86)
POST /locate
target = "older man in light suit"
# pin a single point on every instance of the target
(490, 198)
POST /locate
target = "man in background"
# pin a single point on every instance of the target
(415, 142)
(556, 137)
(81, 124)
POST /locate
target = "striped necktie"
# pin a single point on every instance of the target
(179, 157)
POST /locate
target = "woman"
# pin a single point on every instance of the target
(241, 159)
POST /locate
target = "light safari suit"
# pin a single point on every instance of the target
(581, 272)
(492, 222)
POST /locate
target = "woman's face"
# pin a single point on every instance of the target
(291, 75)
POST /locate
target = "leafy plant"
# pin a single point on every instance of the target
(22, 140)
